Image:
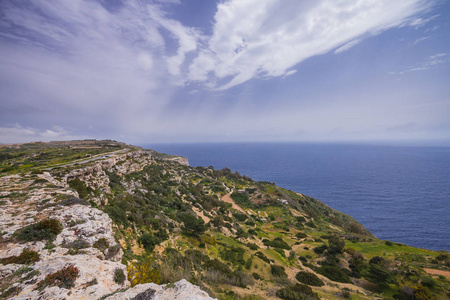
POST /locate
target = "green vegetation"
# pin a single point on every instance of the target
(26, 257)
(297, 292)
(119, 276)
(309, 278)
(44, 230)
(64, 278)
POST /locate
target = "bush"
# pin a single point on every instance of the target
(334, 273)
(79, 186)
(101, 244)
(192, 225)
(235, 255)
(261, 255)
(301, 235)
(336, 245)
(241, 199)
(219, 273)
(119, 276)
(320, 249)
(240, 217)
(64, 278)
(252, 246)
(73, 201)
(148, 241)
(76, 246)
(278, 271)
(277, 243)
(44, 230)
(25, 258)
(112, 251)
(297, 292)
(309, 278)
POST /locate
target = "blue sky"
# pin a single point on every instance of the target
(372, 71)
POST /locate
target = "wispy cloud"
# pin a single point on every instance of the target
(264, 39)
(430, 62)
(18, 134)
(346, 46)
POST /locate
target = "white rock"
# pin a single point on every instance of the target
(181, 290)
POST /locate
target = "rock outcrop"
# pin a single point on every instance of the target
(181, 290)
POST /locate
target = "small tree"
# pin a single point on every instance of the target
(192, 225)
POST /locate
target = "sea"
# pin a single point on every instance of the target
(399, 193)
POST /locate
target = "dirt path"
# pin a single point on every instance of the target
(227, 198)
(438, 272)
(200, 214)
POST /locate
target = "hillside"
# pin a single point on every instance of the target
(87, 219)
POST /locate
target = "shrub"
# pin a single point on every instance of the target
(252, 246)
(26, 257)
(235, 255)
(12, 291)
(252, 231)
(301, 235)
(240, 217)
(64, 278)
(277, 243)
(336, 245)
(334, 273)
(261, 255)
(192, 225)
(278, 271)
(241, 199)
(320, 249)
(218, 272)
(80, 187)
(73, 201)
(76, 246)
(296, 292)
(119, 276)
(44, 230)
(101, 244)
(112, 251)
(148, 241)
(311, 224)
(309, 278)
(248, 263)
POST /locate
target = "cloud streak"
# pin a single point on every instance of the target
(266, 39)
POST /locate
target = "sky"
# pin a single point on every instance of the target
(359, 71)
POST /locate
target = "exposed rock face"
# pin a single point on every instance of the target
(181, 290)
(30, 199)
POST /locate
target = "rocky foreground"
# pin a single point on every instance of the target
(85, 244)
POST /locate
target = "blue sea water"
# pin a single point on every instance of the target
(400, 194)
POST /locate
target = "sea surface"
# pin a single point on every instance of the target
(400, 194)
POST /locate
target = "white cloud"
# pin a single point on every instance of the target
(19, 134)
(346, 46)
(430, 62)
(265, 38)
(420, 22)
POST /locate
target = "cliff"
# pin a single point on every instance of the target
(103, 219)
